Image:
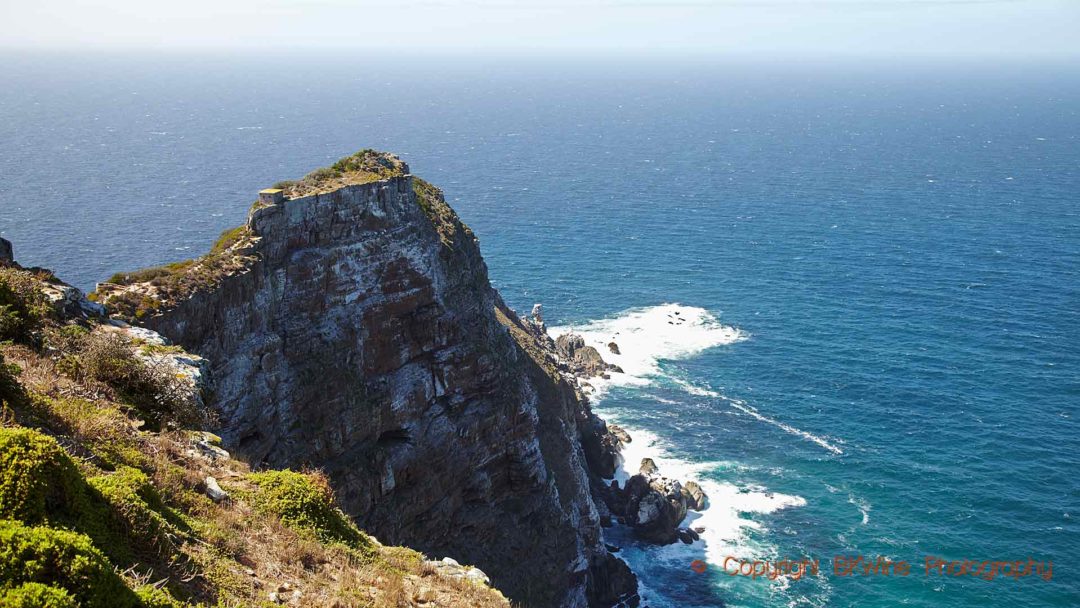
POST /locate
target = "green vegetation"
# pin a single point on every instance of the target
(58, 559)
(37, 595)
(23, 307)
(11, 393)
(363, 167)
(151, 389)
(39, 483)
(176, 281)
(305, 501)
(139, 511)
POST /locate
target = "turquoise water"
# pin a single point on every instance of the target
(893, 255)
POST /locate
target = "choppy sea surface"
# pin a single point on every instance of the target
(847, 297)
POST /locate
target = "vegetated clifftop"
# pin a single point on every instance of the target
(352, 328)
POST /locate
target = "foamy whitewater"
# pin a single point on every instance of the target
(670, 332)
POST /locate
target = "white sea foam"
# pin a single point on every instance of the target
(742, 406)
(726, 519)
(647, 336)
(668, 332)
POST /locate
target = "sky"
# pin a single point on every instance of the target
(781, 28)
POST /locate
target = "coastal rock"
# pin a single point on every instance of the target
(695, 496)
(614, 348)
(355, 330)
(648, 468)
(7, 254)
(584, 360)
(601, 447)
(620, 433)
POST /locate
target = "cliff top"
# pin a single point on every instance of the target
(364, 167)
(133, 295)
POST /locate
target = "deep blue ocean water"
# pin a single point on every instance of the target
(897, 247)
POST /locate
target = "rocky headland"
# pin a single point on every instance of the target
(350, 327)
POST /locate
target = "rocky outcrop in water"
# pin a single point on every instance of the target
(655, 506)
(354, 330)
(584, 360)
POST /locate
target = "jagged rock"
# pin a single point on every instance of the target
(214, 491)
(685, 536)
(648, 468)
(601, 447)
(585, 361)
(614, 348)
(619, 433)
(610, 583)
(7, 254)
(695, 496)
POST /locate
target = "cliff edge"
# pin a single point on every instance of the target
(351, 327)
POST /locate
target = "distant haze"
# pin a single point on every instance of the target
(781, 28)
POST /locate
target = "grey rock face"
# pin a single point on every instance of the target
(365, 339)
(584, 361)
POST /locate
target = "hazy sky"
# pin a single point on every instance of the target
(710, 27)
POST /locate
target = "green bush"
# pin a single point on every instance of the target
(152, 597)
(61, 559)
(23, 306)
(38, 481)
(306, 502)
(37, 595)
(138, 509)
(155, 392)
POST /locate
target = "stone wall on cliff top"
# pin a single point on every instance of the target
(362, 337)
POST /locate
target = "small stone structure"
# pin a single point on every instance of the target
(271, 196)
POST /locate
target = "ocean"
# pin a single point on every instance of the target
(847, 296)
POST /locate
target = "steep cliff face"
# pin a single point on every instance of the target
(354, 330)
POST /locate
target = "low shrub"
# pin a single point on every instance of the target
(37, 595)
(39, 483)
(151, 388)
(23, 306)
(62, 560)
(305, 502)
(138, 510)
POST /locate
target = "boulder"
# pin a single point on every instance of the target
(601, 447)
(696, 498)
(583, 360)
(620, 433)
(614, 348)
(214, 491)
(648, 468)
(687, 536)
(7, 255)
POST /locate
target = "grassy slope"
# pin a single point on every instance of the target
(103, 473)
